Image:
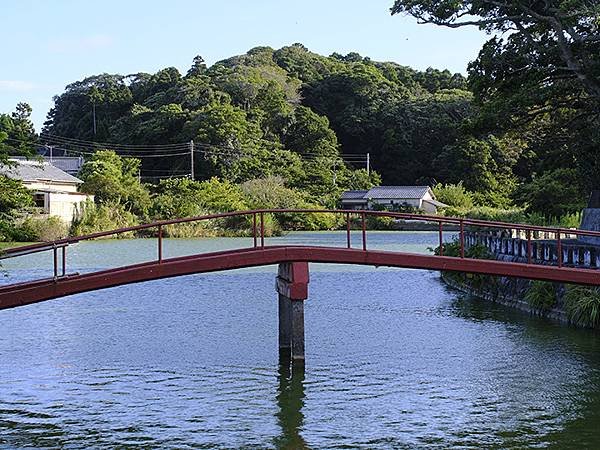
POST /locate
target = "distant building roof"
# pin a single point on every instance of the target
(408, 192)
(353, 195)
(70, 164)
(37, 171)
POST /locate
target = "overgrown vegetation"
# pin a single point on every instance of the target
(541, 295)
(582, 304)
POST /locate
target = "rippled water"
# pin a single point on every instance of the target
(394, 360)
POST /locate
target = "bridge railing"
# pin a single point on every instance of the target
(258, 234)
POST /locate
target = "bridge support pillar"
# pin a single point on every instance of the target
(292, 287)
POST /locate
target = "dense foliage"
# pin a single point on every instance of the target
(536, 87)
(522, 130)
(17, 134)
(286, 113)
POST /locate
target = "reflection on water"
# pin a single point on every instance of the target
(394, 360)
(290, 400)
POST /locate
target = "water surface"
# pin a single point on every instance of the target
(394, 360)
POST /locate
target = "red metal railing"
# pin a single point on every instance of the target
(258, 232)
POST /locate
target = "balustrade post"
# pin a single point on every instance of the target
(528, 246)
(160, 249)
(254, 230)
(558, 249)
(462, 239)
(348, 243)
(64, 260)
(364, 232)
(441, 233)
(262, 229)
(55, 254)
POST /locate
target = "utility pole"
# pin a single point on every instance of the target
(192, 160)
(368, 163)
(94, 114)
(50, 148)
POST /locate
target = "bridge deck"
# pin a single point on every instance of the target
(35, 291)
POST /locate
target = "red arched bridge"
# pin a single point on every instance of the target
(530, 258)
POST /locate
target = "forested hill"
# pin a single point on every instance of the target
(521, 130)
(258, 111)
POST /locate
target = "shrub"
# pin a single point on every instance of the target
(94, 218)
(270, 193)
(41, 228)
(582, 304)
(478, 251)
(453, 195)
(541, 295)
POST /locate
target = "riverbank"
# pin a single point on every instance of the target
(7, 245)
(569, 304)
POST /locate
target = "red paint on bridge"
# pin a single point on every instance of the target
(259, 255)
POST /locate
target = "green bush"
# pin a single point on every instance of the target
(94, 218)
(454, 195)
(271, 193)
(541, 295)
(478, 251)
(512, 215)
(582, 304)
(41, 228)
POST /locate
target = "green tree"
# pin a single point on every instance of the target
(13, 196)
(553, 193)
(112, 179)
(17, 134)
(73, 113)
(309, 134)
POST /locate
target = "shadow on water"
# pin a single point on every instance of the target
(555, 339)
(290, 401)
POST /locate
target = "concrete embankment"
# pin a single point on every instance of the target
(513, 292)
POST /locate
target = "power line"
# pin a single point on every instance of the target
(47, 136)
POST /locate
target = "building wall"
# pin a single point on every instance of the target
(396, 201)
(354, 204)
(42, 186)
(65, 205)
(428, 207)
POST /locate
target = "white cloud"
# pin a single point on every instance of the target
(16, 86)
(87, 43)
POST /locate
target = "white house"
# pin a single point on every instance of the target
(54, 190)
(390, 197)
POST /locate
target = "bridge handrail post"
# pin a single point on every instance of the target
(55, 254)
(348, 243)
(528, 246)
(364, 231)
(64, 260)
(160, 249)
(462, 238)
(441, 233)
(558, 249)
(262, 229)
(254, 230)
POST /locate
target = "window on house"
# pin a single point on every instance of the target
(40, 200)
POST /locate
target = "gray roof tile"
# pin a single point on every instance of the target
(352, 195)
(37, 171)
(408, 192)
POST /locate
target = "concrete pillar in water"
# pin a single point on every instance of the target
(292, 287)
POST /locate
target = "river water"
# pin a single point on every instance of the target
(394, 360)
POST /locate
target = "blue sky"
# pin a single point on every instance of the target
(49, 44)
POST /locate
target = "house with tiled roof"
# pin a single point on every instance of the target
(54, 190)
(392, 197)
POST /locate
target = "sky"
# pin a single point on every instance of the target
(49, 44)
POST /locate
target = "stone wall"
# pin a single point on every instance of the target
(543, 250)
(511, 291)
